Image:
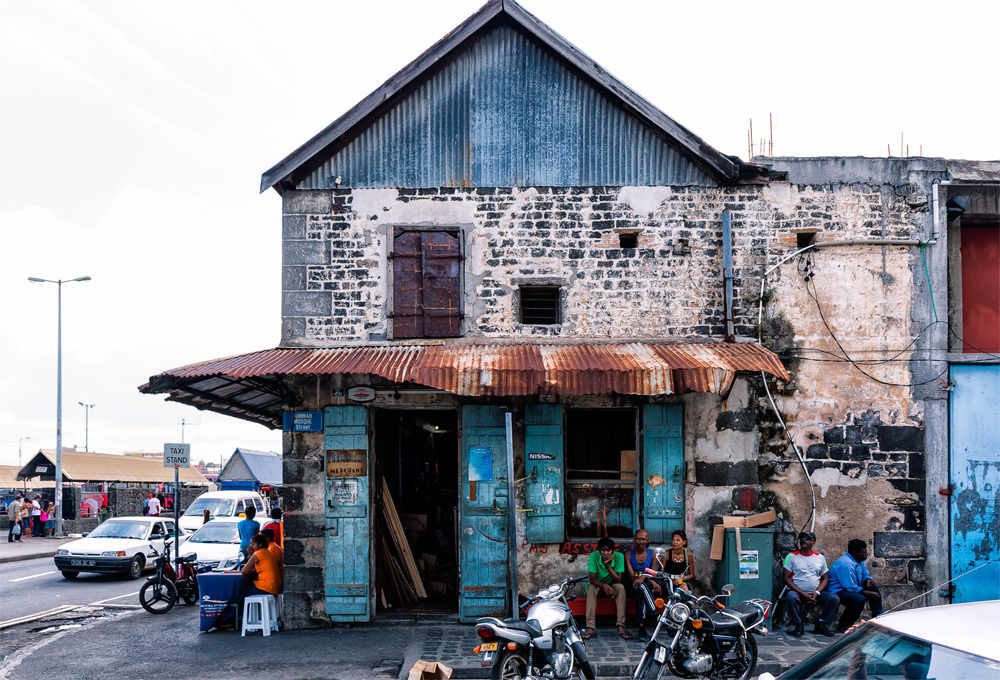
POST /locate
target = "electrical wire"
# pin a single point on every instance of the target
(798, 453)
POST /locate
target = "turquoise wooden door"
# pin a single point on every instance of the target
(348, 499)
(543, 466)
(662, 476)
(483, 522)
(975, 472)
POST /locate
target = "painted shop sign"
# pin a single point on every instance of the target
(347, 463)
(541, 456)
(361, 393)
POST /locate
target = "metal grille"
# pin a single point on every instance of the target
(539, 305)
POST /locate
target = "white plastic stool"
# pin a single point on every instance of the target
(260, 613)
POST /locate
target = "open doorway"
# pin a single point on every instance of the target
(417, 454)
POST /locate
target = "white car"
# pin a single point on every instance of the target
(121, 545)
(947, 642)
(217, 543)
(224, 504)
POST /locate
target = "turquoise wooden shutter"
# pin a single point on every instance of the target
(483, 524)
(348, 499)
(663, 470)
(543, 465)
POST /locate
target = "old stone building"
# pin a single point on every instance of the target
(504, 228)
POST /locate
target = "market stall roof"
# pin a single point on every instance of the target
(89, 466)
(253, 387)
(9, 480)
(250, 465)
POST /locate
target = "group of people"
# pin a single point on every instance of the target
(30, 518)
(614, 575)
(154, 505)
(261, 553)
(805, 574)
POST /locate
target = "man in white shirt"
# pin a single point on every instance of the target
(154, 507)
(805, 574)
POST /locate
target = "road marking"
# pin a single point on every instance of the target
(25, 578)
(117, 597)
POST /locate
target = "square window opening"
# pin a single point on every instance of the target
(539, 305)
(628, 240)
(601, 472)
(805, 238)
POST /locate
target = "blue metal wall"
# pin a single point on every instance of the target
(505, 113)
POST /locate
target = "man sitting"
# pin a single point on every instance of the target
(853, 585)
(805, 574)
(605, 568)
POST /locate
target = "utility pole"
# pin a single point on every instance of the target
(19, 440)
(86, 436)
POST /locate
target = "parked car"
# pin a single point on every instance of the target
(947, 642)
(120, 545)
(223, 504)
(217, 544)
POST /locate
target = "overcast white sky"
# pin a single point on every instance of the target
(134, 135)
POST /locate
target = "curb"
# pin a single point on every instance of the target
(21, 558)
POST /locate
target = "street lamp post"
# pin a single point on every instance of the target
(58, 490)
(86, 436)
(19, 440)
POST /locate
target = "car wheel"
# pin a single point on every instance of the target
(70, 574)
(136, 566)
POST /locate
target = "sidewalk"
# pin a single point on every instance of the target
(30, 548)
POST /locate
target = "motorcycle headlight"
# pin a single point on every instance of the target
(113, 553)
(679, 613)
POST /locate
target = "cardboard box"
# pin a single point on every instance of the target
(737, 522)
(628, 465)
(429, 670)
(430, 561)
(414, 522)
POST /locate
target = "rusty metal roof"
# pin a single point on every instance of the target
(89, 466)
(252, 386)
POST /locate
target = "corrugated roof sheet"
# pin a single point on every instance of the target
(89, 466)
(250, 386)
(8, 480)
(265, 466)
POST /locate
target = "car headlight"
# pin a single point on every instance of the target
(229, 563)
(679, 613)
(62, 552)
(113, 553)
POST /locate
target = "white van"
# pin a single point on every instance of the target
(224, 504)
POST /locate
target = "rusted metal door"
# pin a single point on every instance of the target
(484, 505)
(347, 574)
(975, 473)
(980, 289)
(426, 285)
(663, 470)
(543, 466)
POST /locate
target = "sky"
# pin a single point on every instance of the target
(133, 136)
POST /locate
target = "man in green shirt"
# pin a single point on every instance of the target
(605, 568)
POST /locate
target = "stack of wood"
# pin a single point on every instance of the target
(401, 582)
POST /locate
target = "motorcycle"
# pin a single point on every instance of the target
(547, 644)
(699, 637)
(160, 592)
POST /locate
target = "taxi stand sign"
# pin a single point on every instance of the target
(177, 455)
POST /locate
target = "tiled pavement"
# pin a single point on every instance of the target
(444, 639)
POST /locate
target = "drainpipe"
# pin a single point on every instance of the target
(727, 272)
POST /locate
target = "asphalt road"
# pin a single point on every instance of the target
(35, 586)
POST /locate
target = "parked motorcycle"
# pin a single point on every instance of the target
(699, 637)
(547, 644)
(160, 592)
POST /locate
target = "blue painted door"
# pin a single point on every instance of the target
(543, 466)
(483, 524)
(348, 500)
(975, 472)
(662, 477)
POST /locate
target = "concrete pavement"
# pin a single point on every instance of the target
(30, 548)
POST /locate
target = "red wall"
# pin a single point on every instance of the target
(981, 289)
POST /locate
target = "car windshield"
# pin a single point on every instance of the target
(216, 532)
(874, 652)
(114, 528)
(217, 507)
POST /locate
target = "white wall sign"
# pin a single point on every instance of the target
(177, 454)
(361, 393)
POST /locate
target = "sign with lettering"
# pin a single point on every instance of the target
(541, 456)
(302, 421)
(344, 491)
(480, 464)
(361, 393)
(177, 455)
(347, 463)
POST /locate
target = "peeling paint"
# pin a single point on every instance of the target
(644, 200)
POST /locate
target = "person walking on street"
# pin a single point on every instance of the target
(14, 515)
(154, 506)
(853, 585)
(805, 575)
(50, 523)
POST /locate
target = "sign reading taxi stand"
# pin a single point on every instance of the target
(177, 455)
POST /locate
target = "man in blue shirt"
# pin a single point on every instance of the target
(247, 528)
(851, 582)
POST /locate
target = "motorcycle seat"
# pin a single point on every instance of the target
(530, 627)
(748, 614)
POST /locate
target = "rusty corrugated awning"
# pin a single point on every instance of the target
(252, 386)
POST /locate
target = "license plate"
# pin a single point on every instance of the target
(488, 647)
(83, 563)
(488, 658)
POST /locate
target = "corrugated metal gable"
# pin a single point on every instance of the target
(506, 113)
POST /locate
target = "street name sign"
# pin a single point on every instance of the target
(177, 455)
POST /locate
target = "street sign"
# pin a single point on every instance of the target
(177, 455)
(302, 421)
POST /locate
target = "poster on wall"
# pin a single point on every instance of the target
(344, 491)
(346, 463)
(480, 464)
(749, 565)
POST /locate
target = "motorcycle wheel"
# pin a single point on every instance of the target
(158, 598)
(190, 594)
(510, 665)
(652, 670)
(748, 663)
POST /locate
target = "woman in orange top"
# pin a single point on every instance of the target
(262, 569)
